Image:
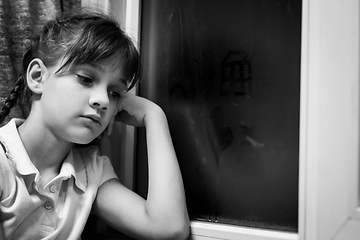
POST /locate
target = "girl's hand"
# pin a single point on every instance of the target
(136, 111)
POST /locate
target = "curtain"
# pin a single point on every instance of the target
(19, 21)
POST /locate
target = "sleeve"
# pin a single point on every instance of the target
(108, 170)
(99, 166)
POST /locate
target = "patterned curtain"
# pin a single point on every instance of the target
(19, 20)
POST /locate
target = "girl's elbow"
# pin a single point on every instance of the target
(185, 232)
(181, 231)
(178, 230)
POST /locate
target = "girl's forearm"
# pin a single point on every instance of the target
(166, 197)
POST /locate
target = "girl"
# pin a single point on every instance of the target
(76, 75)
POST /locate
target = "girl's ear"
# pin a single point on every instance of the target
(35, 75)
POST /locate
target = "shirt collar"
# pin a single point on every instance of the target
(73, 163)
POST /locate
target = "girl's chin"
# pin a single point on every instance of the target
(82, 135)
(85, 139)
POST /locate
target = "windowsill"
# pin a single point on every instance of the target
(231, 232)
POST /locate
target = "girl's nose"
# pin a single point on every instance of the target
(99, 100)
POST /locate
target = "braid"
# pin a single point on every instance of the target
(11, 99)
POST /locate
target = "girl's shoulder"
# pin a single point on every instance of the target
(98, 167)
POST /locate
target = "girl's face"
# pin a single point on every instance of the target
(78, 104)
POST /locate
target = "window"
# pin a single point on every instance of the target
(228, 76)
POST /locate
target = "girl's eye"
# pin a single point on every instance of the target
(84, 79)
(115, 94)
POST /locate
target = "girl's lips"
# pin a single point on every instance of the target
(94, 118)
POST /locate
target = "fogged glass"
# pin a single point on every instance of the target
(227, 74)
